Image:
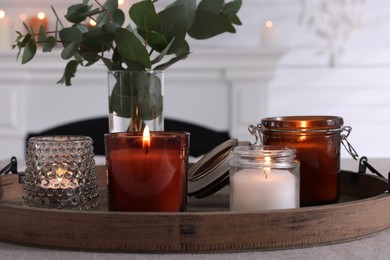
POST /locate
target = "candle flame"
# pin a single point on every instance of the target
(92, 23)
(23, 17)
(2, 14)
(120, 2)
(146, 139)
(269, 24)
(41, 15)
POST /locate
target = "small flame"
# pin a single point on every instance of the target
(2, 14)
(146, 139)
(23, 17)
(92, 23)
(120, 2)
(269, 24)
(41, 15)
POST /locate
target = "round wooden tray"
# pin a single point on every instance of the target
(207, 227)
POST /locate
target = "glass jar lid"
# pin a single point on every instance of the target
(303, 123)
(211, 173)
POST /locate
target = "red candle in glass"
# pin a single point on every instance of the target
(317, 141)
(147, 173)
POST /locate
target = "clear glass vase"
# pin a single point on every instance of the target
(135, 100)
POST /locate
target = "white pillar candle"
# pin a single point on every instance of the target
(263, 189)
(5, 31)
(269, 34)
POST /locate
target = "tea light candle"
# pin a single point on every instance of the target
(60, 173)
(147, 172)
(60, 177)
(269, 34)
(5, 31)
(263, 189)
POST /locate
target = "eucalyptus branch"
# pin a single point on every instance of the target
(105, 10)
(161, 33)
(56, 15)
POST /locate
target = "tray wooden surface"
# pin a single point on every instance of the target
(207, 226)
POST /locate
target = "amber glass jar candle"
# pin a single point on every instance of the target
(317, 141)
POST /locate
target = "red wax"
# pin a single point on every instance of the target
(146, 180)
(35, 23)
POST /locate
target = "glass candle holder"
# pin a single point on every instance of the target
(317, 141)
(263, 178)
(60, 173)
(147, 177)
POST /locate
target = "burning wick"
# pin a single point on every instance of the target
(146, 139)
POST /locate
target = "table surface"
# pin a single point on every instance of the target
(373, 247)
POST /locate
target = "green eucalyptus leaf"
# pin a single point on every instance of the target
(162, 54)
(208, 24)
(82, 28)
(133, 65)
(110, 28)
(189, 7)
(235, 20)
(184, 49)
(214, 6)
(130, 48)
(171, 62)
(69, 35)
(232, 8)
(119, 17)
(144, 16)
(90, 57)
(229, 26)
(98, 39)
(42, 34)
(108, 63)
(76, 13)
(110, 7)
(175, 23)
(69, 73)
(27, 28)
(70, 50)
(29, 51)
(49, 44)
(156, 41)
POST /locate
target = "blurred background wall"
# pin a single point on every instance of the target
(318, 57)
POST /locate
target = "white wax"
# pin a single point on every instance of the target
(269, 35)
(5, 33)
(251, 190)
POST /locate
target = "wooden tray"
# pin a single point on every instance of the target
(207, 227)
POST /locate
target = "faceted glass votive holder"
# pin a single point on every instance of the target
(152, 179)
(60, 173)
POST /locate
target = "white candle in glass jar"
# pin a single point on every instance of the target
(263, 189)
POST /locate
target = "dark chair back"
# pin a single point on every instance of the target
(202, 139)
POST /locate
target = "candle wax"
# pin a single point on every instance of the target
(6, 33)
(152, 181)
(254, 190)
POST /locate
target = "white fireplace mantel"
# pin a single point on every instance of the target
(225, 90)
